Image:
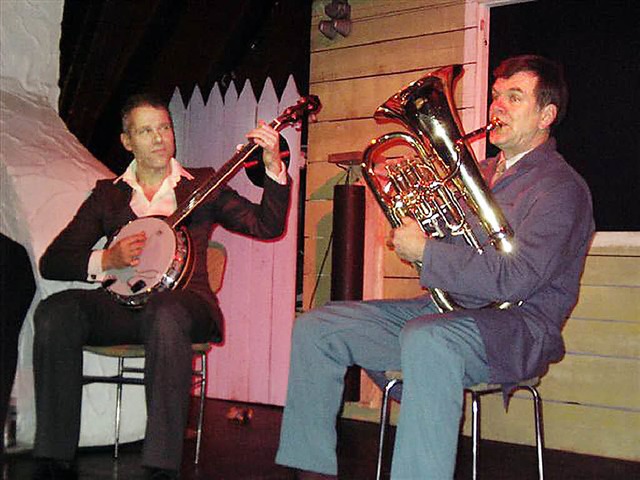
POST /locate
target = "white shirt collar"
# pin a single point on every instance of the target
(515, 159)
(177, 171)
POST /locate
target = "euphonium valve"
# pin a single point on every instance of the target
(433, 185)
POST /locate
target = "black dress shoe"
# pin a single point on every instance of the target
(161, 474)
(49, 469)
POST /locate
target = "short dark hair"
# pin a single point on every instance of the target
(551, 88)
(140, 100)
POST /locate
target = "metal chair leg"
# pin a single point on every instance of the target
(116, 442)
(127, 375)
(537, 412)
(476, 394)
(203, 391)
(475, 433)
(384, 420)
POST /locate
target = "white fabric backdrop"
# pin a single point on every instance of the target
(45, 175)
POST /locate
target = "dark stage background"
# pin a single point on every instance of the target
(112, 48)
(598, 44)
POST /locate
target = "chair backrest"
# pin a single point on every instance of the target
(216, 264)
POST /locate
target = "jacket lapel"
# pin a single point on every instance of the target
(537, 158)
(184, 188)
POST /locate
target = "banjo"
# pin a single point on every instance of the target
(166, 262)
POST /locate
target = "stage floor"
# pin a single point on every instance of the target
(233, 451)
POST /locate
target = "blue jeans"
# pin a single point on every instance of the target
(439, 354)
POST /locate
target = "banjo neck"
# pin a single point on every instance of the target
(305, 105)
(218, 178)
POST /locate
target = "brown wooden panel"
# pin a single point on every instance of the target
(318, 226)
(394, 20)
(612, 270)
(314, 251)
(375, 224)
(326, 138)
(572, 428)
(418, 53)
(359, 97)
(318, 221)
(321, 178)
(370, 393)
(631, 250)
(619, 303)
(591, 380)
(616, 338)
(394, 267)
(322, 292)
(402, 288)
(616, 243)
(367, 8)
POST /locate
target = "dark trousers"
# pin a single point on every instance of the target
(167, 325)
(17, 288)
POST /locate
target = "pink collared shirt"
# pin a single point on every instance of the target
(163, 203)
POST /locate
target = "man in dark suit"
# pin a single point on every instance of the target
(548, 205)
(171, 320)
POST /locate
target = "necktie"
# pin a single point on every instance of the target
(500, 168)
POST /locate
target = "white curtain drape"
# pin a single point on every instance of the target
(45, 174)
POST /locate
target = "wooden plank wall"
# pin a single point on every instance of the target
(592, 398)
(392, 43)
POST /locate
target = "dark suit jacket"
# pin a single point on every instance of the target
(107, 209)
(549, 208)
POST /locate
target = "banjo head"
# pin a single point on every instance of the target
(161, 264)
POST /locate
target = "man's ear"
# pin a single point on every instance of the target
(549, 113)
(126, 141)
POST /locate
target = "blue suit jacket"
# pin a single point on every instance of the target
(549, 207)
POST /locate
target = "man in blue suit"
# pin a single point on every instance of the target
(548, 205)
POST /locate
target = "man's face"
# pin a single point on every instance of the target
(150, 137)
(525, 125)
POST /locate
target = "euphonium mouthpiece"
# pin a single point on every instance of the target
(493, 124)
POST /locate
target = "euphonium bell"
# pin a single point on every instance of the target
(432, 186)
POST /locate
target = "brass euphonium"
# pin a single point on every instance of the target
(432, 186)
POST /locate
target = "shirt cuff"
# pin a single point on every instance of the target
(94, 269)
(280, 178)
